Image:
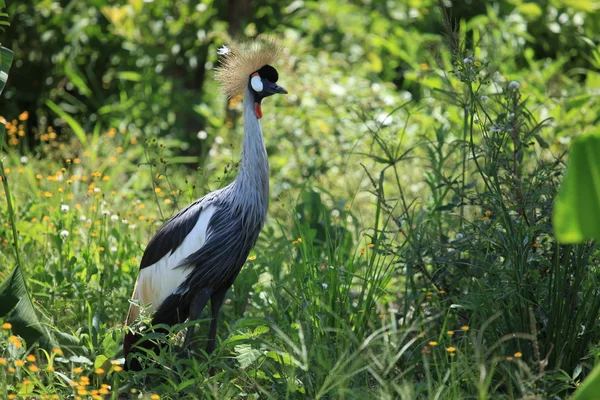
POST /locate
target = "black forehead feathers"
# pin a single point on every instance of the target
(268, 72)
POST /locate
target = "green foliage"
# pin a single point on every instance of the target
(578, 203)
(409, 251)
(6, 58)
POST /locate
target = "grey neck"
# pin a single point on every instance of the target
(252, 182)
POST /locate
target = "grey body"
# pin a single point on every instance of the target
(241, 209)
(238, 214)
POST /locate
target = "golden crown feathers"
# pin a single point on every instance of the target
(242, 58)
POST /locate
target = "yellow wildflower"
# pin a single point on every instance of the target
(19, 363)
(6, 325)
(433, 343)
(451, 349)
(31, 358)
(252, 258)
(464, 328)
(518, 354)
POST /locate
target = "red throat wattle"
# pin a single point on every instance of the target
(257, 110)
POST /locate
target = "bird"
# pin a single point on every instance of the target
(196, 255)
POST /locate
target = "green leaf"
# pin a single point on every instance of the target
(74, 125)
(17, 308)
(576, 214)
(590, 388)
(6, 58)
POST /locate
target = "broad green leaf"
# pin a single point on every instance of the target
(590, 388)
(74, 125)
(6, 58)
(577, 206)
(17, 308)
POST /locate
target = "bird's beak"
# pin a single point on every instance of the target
(280, 89)
(271, 88)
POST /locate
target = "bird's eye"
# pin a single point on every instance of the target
(256, 83)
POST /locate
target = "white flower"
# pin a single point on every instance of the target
(114, 217)
(202, 135)
(97, 190)
(325, 286)
(514, 85)
(335, 213)
(484, 98)
(459, 236)
(64, 208)
(83, 218)
(468, 60)
(64, 233)
(113, 249)
(105, 213)
(124, 221)
(24, 160)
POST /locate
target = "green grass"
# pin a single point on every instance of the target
(436, 276)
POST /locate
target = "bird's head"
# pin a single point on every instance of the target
(263, 83)
(248, 65)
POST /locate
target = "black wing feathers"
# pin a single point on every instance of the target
(171, 234)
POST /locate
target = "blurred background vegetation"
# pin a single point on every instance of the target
(413, 169)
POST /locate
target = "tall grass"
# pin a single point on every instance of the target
(455, 288)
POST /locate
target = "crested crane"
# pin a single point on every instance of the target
(196, 255)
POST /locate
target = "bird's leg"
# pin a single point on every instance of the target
(196, 306)
(216, 301)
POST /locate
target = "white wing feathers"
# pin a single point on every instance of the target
(158, 281)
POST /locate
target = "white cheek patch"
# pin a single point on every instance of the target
(256, 83)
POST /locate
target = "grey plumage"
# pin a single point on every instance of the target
(236, 216)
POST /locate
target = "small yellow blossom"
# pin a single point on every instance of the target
(118, 368)
(12, 370)
(433, 343)
(509, 358)
(77, 161)
(99, 371)
(464, 328)
(50, 368)
(12, 396)
(58, 351)
(31, 358)
(371, 245)
(450, 333)
(6, 325)
(15, 340)
(477, 63)
(518, 354)
(362, 251)
(24, 116)
(252, 258)
(488, 213)
(47, 194)
(3, 361)
(77, 370)
(34, 368)
(451, 349)
(155, 397)
(19, 363)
